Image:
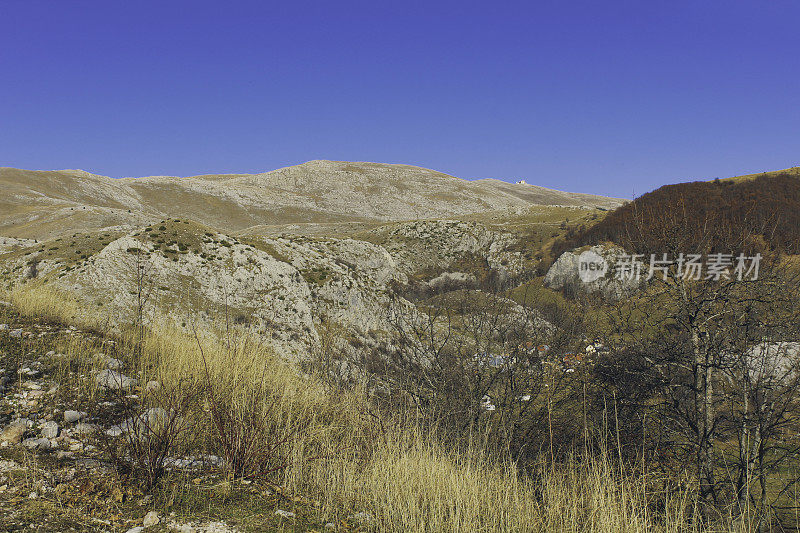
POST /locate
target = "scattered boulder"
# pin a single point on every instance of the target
(593, 271)
(50, 429)
(83, 428)
(70, 416)
(110, 362)
(37, 444)
(35, 394)
(362, 517)
(8, 466)
(151, 519)
(26, 371)
(32, 270)
(117, 431)
(113, 380)
(14, 432)
(449, 281)
(191, 527)
(150, 421)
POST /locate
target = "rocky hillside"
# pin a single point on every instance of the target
(289, 290)
(287, 255)
(46, 204)
(280, 289)
(64, 396)
(428, 247)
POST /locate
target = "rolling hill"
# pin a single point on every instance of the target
(46, 204)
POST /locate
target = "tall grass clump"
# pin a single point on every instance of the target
(262, 414)
(35, 299)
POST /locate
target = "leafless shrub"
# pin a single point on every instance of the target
(151, 436)
(247, 425)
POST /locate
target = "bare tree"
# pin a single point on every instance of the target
(142, 279)
(477, 360)
(698, 333)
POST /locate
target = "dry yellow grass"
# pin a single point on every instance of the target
(35, 299)
(793, 171)
(398, 478)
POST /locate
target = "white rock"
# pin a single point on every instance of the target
(36, 444)
(113, 380)
(83, 427)
(50, 429)
(151, 519)
(116, 431)
(217, 527)
(71, 416)
(150, 421)
(110, 362)
(362, 517)
(284, 514)
(7, 466)
(137, 529)
(565, 273)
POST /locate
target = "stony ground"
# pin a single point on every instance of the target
(59, 410)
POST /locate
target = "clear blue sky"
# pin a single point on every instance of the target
(605, 97)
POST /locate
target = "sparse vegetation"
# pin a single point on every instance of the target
(344, 461)
(420, 378)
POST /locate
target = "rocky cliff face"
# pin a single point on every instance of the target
(280, 289)
(219, 283)
(434, 245)
(564, 274)
(285, 289)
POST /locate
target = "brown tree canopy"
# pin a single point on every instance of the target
(766, 209)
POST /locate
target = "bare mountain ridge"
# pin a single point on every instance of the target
(42, 204)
